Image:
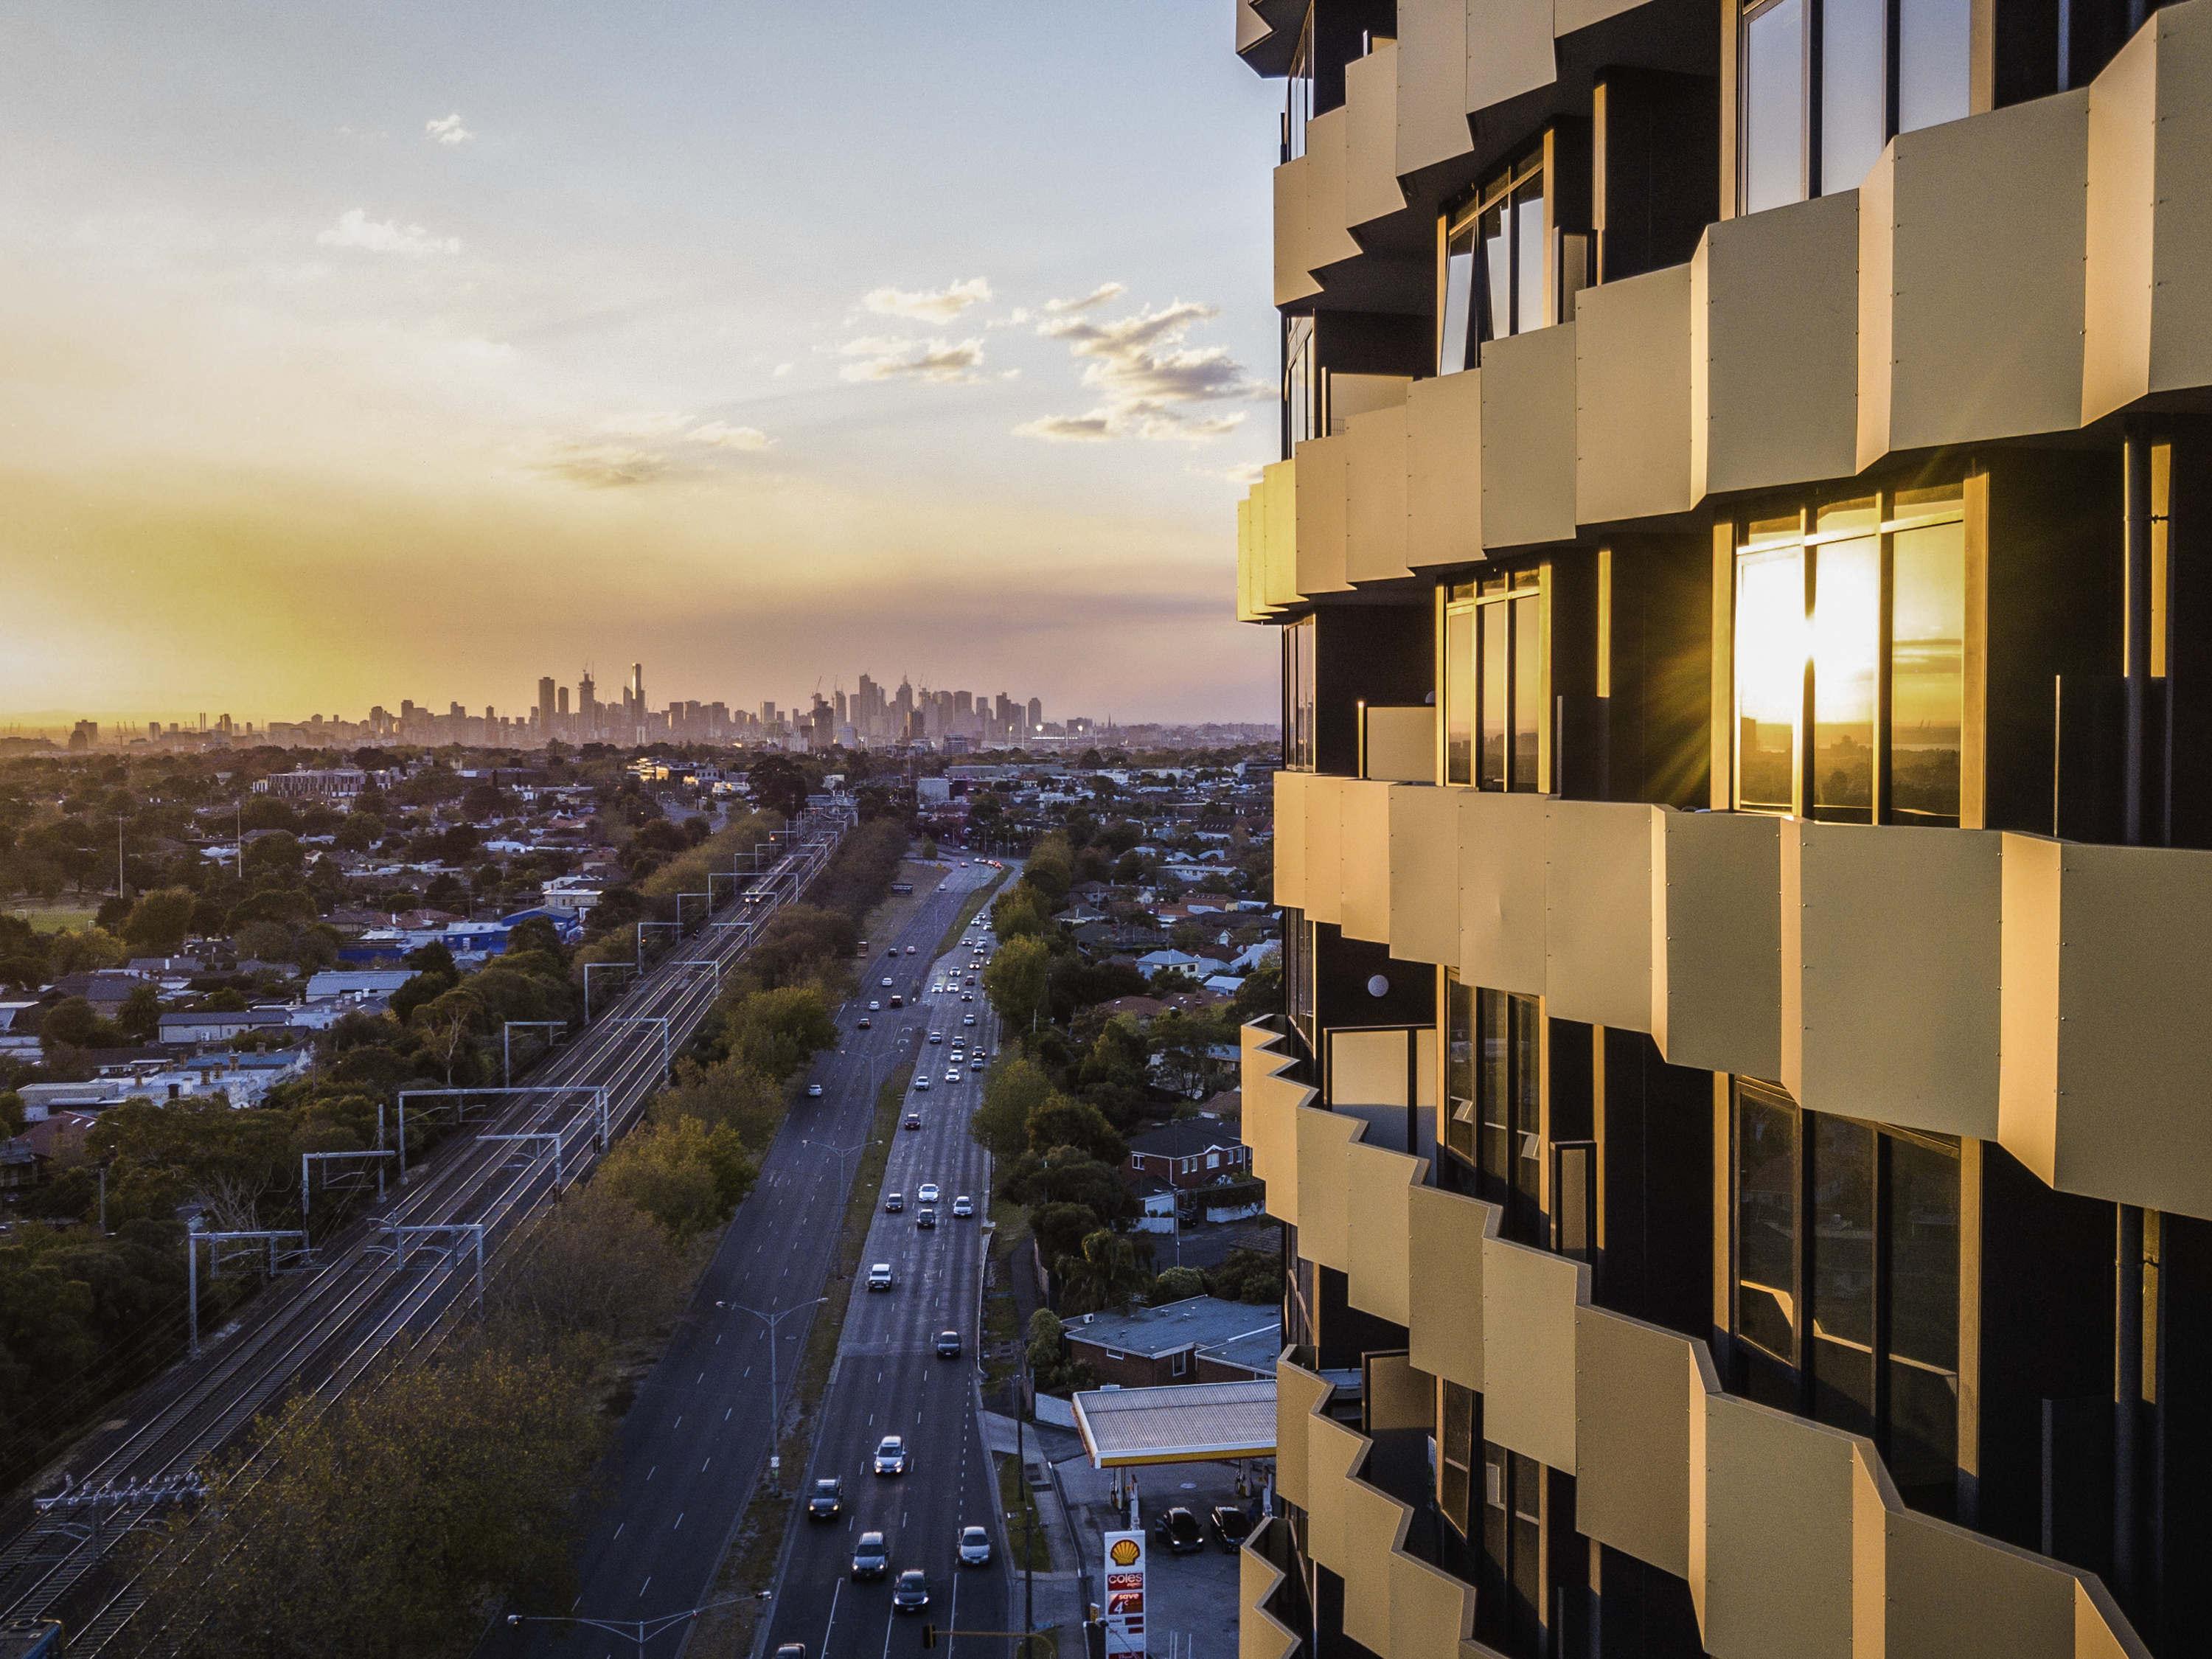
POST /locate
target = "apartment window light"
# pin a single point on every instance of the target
(1299, 691)
(1493, 266)
(1496, 736)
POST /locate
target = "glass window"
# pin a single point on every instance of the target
(1922, 1439)
(1459, 1067)
(1494, 283)
(1766, 1224)
(1770, 676)
(1854, 90)
(1927, 671)
(1496, 618)
(1493, 1085)
(1846, 642)
(1298, 695)
(1528, 308)
(1934, 57)
(1299, 107)
(1456, 346)
(1456, 1455)
(1495, 234)
(1459, 696)
(1525, 1021)
(1842, 1302)
(1301, 387)
(1774, 114)
(1494, 675)
(1528, 710)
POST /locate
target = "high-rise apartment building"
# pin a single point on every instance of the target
(1741, 1105)
(547, 707)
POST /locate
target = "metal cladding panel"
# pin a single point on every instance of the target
(2133, 1043)
(1399, 1395)
(1986, 237)
(1370, 98)
(1290, 838)
(1432, 82)
(1716, 945)
(1364, 856)
(1251, 28)
(1278, 530)
(1248, 605)
(1444, 471)
(1635, 1388)
(2181, 257)
(1572, 14)
(1373, 1523)
(1324, 804)
(1598, 901)
(1445, 1331)
(1430, 1612)
(1260, 1634)
(1401, 743)
(1328, 232)
(2122, 215)
(1424, 874)
(1324, 1141)
(1293, 261)
(1319, 539)
(1332, 1451)
(1633, 398)
(1529, 438)
(1381, 1275)
(1509, 50)
(1502, 894)
(1780, 1522)
(1776, 387)
(1529, 1302)
(1270, 1123)
(1894, 964)
(2027, 1030)
(1375, 488)
(1951, 1592)
(1298, 1393)
(1877, 305)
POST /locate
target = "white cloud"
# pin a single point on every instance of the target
(355, 230)
(447, 128)
(881, 359)
(1147, 373)
(605, 466)
(1094, 428)
(1097, 296)
(721, 435)
(940, 305)
(782, 369)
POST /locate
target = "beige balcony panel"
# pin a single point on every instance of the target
(1279, 534)
(1293, 258)
(1572, 14)
(1251, 28)
(1774, 363)
(1260, 1634)
(2101, 1630)
(1432, 82)
(1290, 838)
(1364, 853)
(1509, 50)
(1502, 869)
(1374, 1521)
(1366, 1068)
(1324, 1203)
(1971, 288)
(2106, 1045)
(1780, 1533)
(1380, 1186)
(1951, 1592)
(1424, 875)
(1633, 398)
(1636, 1390)
(1529, 438)
(1717, 948)
(1430, 1612)
(1270, 1125)
(1399, 1395)
(2181, 315)
(1321, 517)
(1444, 471)
(1332, 1451)
(1445, 1331)
(1401, 743)
(1598, 896)
(1529, 1299)
(1351, 395)
(1298, 1394)
(1371, 102)
(1890, 963)
(1328, 236)
(1376, 539)
(1324, 803)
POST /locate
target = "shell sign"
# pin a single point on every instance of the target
(1125, 1552)
(1125, 1594)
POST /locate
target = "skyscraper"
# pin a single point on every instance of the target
(587, 709)
(545, 706)
(1737, 1111)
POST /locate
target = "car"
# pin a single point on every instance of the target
(967, 996)
(909, 950)
(914, 1120)
(963, 1207)
(975, 1547)
(874, 1006)
(911, 1593)
(885, 981)
(898, 1001)
(922, 1085)
(952, 1077)
(937, 1036)
(927, 1217)
(927, 1192)
(967, 1019)
(791, 1651)
(890, 1455)
(1231, 1526)
(871, 1557)
(827, 1499)
(948, 1344)
(1179, 1530)
(865, 1023)
(894, 1202)
(880, 1277)
(814, 1091)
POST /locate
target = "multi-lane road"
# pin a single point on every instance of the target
(321, 1328)
(694, 1447)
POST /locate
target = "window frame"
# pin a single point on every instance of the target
(1527, 593)
(1301, 693)
(1497, 190)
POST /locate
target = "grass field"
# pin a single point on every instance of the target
(53, 918)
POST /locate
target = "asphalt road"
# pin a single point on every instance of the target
(694, 1445)
(888, 1380)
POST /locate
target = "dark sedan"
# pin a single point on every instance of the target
(1231, 1526)
(825, 1502)
(911, 1593)
(1179, 1530)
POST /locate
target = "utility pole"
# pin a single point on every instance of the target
(1029, 1505)
(774, 1389)
(120, 819)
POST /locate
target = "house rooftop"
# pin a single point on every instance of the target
(1182, 1136)
(1196, 1321)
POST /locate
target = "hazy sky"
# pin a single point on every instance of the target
(350, 353)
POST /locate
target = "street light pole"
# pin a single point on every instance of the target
(639, 1631)
(774, 1389)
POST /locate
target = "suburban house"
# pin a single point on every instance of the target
(1146, 1347)
(1190, 1151)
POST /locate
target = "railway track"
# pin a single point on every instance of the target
(321, 1330)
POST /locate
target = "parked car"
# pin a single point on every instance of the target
(880, 1277)
(890, 1456)
(963, 1207)
(827, 1499)
(1231, 1526)
(911, 1593)
(927, 1193)
(1179, 1530)
(871, 1557)
(948, 1344)
(975, 1547)
(894, 1202)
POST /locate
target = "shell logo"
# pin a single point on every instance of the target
(1126, 1552)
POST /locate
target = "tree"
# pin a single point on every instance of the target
(1001, 1124)
(1247, 1276)
(84, 951)
(73, 1021)
(594, 1266)
(1060, 1121)
(685, 1176)
(777, 781)
(1017, 981)
(1110, 1271)
(273, 858)
(445, 1022)
(1177, 1284)
(140, 1016)
(728, 1095)
(157, 924)
(776, 1032)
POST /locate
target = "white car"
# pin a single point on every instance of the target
(967, 1019)
(880, 1277)
(963, 1207)
(937, 1036)
(927, 1194)
(885, 981)
(921, 1086)
(975, 1547)
(890, 1452)
(875, 1008)
(814, 1091)
(952, 1077)
(909, 950)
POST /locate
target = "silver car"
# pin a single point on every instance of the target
(975, 1547)
(890, 1456)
